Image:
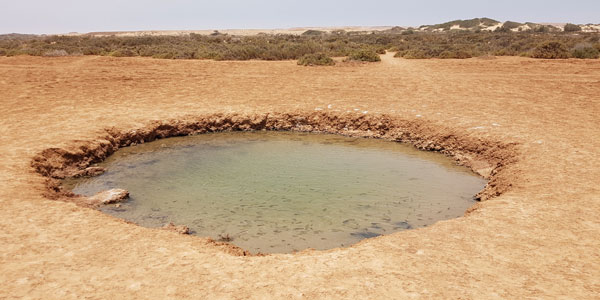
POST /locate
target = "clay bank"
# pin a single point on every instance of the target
(383, 198)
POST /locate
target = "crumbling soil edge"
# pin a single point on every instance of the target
(488, 158)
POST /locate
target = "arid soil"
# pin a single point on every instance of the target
(532, 126)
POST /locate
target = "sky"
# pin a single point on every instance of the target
(63, 16)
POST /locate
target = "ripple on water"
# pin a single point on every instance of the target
(282, 191)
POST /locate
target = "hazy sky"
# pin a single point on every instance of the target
(61, 16)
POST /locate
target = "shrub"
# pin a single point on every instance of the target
(285, 47)
(511, 24)
(572, 28)
(123, 53)
(586, 52)
(542, 29)
(316, 59)
(456, 54)
(414, 54)
(364, 55)
(502, 29)
(55, 53)
(312, 32)
(380, 50)
(551, 50)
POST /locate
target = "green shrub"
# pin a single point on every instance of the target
(380, 50)
(551, 50)
(123, 53)
(316, 59)
(414, 54)
(572, 28)
(364, 55)
(542, 29)
(286, 46)
(511, 24)
(457, 54)
(55, 53)
(502, 29)
(586, 52)
(312, 32)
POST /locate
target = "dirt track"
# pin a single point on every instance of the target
(540, 238)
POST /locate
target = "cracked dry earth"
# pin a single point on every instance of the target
(532, 126)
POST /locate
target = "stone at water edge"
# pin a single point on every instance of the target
(109, 196)
(181, 229)
(91, 172)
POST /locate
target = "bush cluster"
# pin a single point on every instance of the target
(316, 59)
(572, 28)
(586, 52)
(551, 50)
(55, 53)
(364, 55)
(362, 46)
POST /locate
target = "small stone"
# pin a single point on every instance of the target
(181, 229)
(91, 172)
(108, 197)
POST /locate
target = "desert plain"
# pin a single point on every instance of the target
(531, 126)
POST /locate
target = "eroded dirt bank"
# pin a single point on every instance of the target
(485, 157)
(535, 122)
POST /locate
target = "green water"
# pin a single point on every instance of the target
(281, 191)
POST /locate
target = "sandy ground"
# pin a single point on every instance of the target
(540, 238)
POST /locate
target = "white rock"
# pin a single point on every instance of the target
(109, 196)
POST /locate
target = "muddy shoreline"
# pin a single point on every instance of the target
(487, 158)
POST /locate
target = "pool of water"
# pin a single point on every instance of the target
(282, 191)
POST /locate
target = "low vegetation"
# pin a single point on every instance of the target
(315, 47)
(316, 59)
(364, 55)
(551, 50)
(572, 28)
(586, 52)
(465, 24)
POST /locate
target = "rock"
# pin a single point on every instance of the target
(91, 172)
(181, 229)
(108, 197)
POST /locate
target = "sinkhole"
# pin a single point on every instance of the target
(278, 192)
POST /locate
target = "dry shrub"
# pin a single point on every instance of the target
(414, 54)
(551, 50)
(585, 51)
(572, 28)
(448, 44)
(55, 53)
(317, 59)
(364, 55)
(457, 54)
